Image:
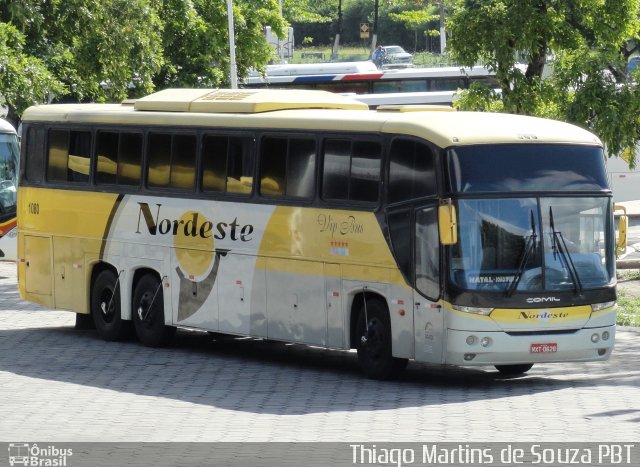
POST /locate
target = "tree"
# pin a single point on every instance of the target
(101, 50)
(590, 42)
(24, 80)
(108, 50)
(196, 41)
(416, 15)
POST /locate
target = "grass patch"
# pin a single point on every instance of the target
(628, 309)
(629, 275)
(361, 53)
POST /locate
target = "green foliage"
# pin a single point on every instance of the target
(628, 309)
(24, 80)
(402, 22)
(108, 50)
(590, 42)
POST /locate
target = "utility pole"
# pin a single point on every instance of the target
(280, 47)
(374, 42)
(232, 47)
(443, 33)
(336, 43)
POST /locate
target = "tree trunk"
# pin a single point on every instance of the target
(13, 117)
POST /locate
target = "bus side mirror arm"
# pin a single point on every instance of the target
(623, 227)
(447, 222)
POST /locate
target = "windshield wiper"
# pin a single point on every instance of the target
(558, 246)
(528, 248)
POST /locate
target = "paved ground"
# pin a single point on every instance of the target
(59, 384)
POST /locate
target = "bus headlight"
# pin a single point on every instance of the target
(602, 306)
(473, 309)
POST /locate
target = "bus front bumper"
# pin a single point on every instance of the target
(471, 348)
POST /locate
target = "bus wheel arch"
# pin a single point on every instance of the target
(147, 309)
(370, 333)
(105, 304)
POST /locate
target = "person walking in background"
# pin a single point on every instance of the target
(378, 56)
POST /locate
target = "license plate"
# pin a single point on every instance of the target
(544, 348)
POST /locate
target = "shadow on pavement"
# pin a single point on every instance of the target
(260, 376)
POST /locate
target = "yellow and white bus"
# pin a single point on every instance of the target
(302, 216)
(9, 156)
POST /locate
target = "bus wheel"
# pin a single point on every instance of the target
(148, 313)
(514, 369)
(105, 307)
(374, 342)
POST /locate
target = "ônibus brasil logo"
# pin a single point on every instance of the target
(34, 455)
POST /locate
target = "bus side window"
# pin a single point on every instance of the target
(214, 163)
(183, 162)
(287, 167)
(171, 161)
(240, 168)
(351, 170)
(69, 156)
(227, 164)
(34, 154)
(118, 158)
(129, 159)
(411, 171)
(365, 171)
(273, 165)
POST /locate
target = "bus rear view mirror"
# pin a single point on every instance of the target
(447, 222)
(623, 226)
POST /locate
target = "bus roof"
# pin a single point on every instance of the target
(6, 127)
(301, 110)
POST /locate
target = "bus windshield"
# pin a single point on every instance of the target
(9, 154)
(533, 245)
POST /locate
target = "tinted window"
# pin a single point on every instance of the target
(387, 86)
(107, 157)
(130, 157)
(35, 155)
(118, 157)
(273, 165)
(288, 167)
(447, 84)
(183, 162)
(227, 164)
(427, 246)
(171, 161)
(400, 233)
(526, 167)
(365, 171)
(159, 153)
(68, 156)
(411, 170)
(351, 170)
(336, 168)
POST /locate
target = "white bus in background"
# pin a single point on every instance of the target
(422, 85)
(9, 162)
(624, 182)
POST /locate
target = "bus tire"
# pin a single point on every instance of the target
(514, 369)
(148, 313)
(374, 343)
(105, 307)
